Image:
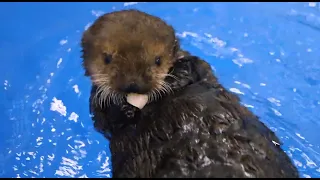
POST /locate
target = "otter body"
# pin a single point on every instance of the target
(191, 127)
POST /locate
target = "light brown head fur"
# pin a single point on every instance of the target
(129, 51)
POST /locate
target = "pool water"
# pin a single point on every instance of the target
(268, 53)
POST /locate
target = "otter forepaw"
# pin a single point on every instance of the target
(128, 110)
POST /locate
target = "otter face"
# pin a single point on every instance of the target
(129, 52)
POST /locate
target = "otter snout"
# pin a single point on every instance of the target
(131, 88)
(135, 87)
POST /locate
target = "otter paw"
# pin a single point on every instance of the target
(128, 110)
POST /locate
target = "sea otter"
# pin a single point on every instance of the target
(188, 125)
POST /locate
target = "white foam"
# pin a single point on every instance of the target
(57, 105)
(73, 117)
(299, 135)
(235, 90)
(59, 62)
(76, 88)
(97, 13)
(274, 101)
(276, 112)
(63, 42)
(87, 26)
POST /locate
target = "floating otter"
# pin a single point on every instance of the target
(189, 126)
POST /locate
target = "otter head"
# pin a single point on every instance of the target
(128, 52)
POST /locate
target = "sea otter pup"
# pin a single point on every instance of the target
(189, 126)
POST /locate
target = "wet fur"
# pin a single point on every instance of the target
(179, 135)
(201, 130)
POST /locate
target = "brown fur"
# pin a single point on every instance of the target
(133, 39)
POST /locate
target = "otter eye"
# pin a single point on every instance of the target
(158, 60)
(107, 58)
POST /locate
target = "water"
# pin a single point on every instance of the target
(268, 53)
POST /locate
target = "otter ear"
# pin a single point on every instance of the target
(179, 53)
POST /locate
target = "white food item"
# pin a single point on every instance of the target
(137, 100)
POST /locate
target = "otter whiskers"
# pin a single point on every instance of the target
(172, 76)
(163, 88)
(104, 94)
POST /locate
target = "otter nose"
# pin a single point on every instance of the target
(138, 87)
(131, 88)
